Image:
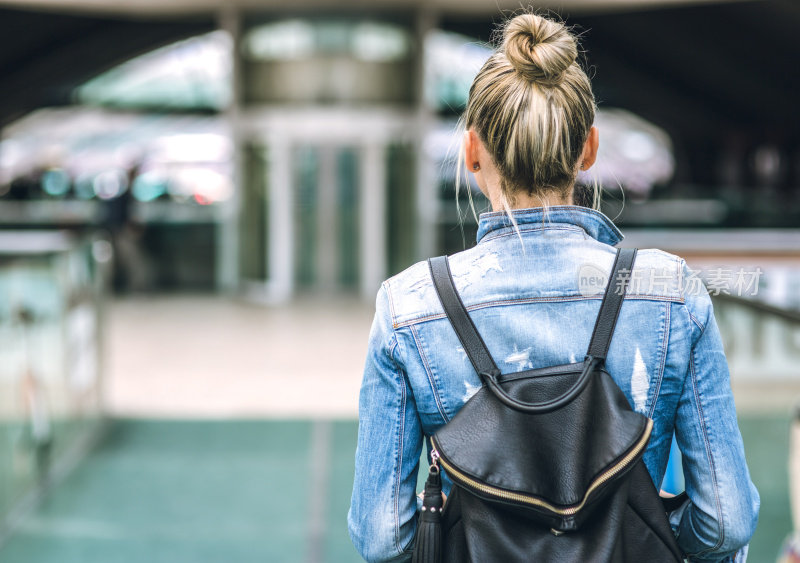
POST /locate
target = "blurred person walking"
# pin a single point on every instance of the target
(133, 270)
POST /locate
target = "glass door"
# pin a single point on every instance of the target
(326, 218)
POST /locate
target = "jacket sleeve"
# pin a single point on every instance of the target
(383, 507)
(720, 517)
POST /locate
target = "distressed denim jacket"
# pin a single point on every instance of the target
(533, 291)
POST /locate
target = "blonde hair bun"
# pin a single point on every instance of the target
(541, 50)
(532, 107)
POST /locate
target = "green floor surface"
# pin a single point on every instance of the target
(240, 491)
(766, 444)
(192, 492)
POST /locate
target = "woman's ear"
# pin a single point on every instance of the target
(472, 151)
(590, 149)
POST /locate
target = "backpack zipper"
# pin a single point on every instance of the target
(537, 502)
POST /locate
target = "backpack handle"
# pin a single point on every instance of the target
(589, 365)
(481, 359)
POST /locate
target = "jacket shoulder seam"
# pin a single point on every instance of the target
(526, 300)
(389, 298)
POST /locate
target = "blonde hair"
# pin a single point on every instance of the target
(532, 106)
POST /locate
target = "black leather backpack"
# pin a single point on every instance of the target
(546, 463)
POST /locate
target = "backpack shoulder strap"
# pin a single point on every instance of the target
(459, 317)
(612, 302)
(471, 340)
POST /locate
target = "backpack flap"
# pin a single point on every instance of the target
(555, 465)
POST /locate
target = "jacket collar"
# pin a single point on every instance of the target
(594, 223)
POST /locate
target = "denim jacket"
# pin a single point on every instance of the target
(533, 290)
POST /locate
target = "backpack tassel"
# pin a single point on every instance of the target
(428, 544)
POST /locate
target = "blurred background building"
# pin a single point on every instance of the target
(257, 168)
(260, 149)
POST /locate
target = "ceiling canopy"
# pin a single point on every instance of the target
(696, 69)
(44, 56)
(475, 7)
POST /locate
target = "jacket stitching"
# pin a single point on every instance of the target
(399, 457)
(700, 325)
(526, 300)
(680, 394)
(600, 220)
(662, 363)
(570, 209)
(398, 475)
(487, 237)
(401, 431)
(429, 372)
(386, 286)
(721, 525)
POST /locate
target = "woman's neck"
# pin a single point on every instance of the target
(491, 184)
(524, 201)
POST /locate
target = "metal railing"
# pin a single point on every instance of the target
(51, 327)
(762, 341)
